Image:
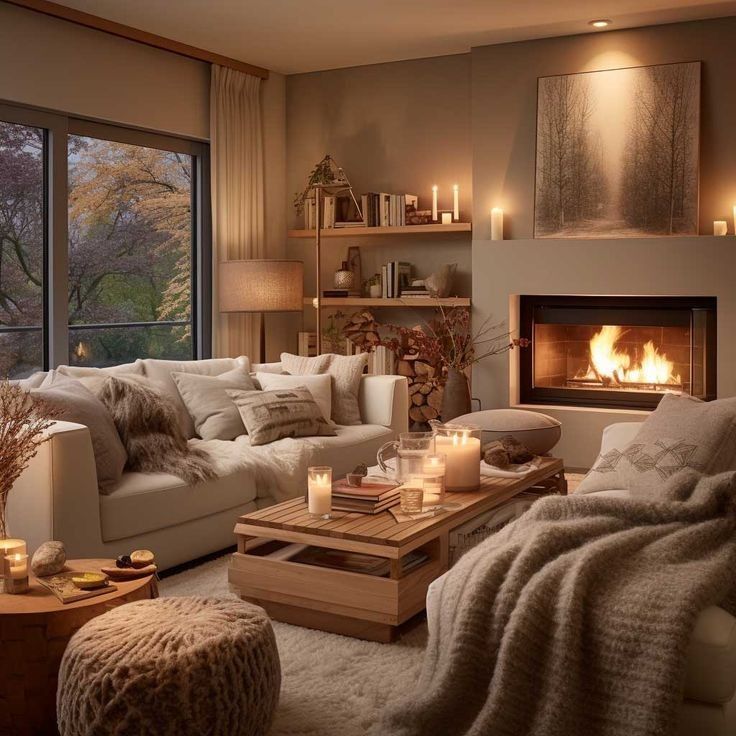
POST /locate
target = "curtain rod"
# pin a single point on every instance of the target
(134, 34)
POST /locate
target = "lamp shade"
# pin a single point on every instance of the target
(261, 286)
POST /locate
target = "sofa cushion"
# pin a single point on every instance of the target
(681, 433)
(145, 502)
(159, 372)
(83, 371)
(214, 413)
(274, 415)
(320, 386)
(72, 402)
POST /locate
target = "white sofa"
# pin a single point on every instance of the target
(709, 703)
(57, 497)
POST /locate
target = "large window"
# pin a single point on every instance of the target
(22, 208)
(104, 255)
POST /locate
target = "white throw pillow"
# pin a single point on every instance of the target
(319, 386)
(214, 413)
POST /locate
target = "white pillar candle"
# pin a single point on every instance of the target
(720, 227)
(319, 490)
(462, 465)
(434, 203)
(456, 202)
(15, 573)
(496, 223)
(447, 218)
(11, 547)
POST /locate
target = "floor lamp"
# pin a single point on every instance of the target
(261, 286)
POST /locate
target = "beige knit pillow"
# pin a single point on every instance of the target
(346, 372)
(273, 415)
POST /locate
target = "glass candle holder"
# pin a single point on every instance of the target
(10, 547)
(460, 443)
(411, 499)
(15, 573)
(319, 491)
(433, 479)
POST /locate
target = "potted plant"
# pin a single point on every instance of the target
(23, 421)
(450, 341)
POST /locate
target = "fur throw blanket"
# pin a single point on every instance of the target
(575, 619)
(149, 430)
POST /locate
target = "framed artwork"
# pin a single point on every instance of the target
(617, 153)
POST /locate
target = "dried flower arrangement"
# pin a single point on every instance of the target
(23, 421)
(450, 340)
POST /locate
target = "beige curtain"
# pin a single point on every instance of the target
(236, 152)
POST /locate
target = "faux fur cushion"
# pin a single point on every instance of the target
(74, 403)
(346, 372)
(148, 427)
(273, 415)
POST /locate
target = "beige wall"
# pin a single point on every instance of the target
(399, 127)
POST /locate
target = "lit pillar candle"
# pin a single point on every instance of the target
(11, 547)
(319, 490)
(720, 227)
(456, 202)
(496, 223)
(434, 479)
(434, 203)
(462, 464)
(15, 570)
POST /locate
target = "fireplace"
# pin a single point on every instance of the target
(616, 351)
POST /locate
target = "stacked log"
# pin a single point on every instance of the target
(425, 389)
(362, 330)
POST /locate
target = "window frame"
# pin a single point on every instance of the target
(57, 128)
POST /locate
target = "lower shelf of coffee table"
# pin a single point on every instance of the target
(349, 603)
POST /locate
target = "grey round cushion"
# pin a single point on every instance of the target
(184, 666)
(539, 433)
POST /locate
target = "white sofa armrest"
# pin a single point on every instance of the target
(618, 435)
(384, 400)
(56, 497)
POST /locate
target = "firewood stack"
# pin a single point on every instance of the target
(362, 330)
(426, 383)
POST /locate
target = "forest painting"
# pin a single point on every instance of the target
(617, 153)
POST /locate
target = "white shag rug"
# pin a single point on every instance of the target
(331, 685)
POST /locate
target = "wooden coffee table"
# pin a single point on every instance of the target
(35, 629)
(356, 604)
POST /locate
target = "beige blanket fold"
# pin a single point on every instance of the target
(575, 620)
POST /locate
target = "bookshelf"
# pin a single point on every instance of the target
(353, 232)
(453, 301)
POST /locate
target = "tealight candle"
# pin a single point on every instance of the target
(456, 202)
(720, 227)
(319, 490)
(11, 547)
(496, 223)
(15, 570)
(447, 218)
(462, 466)
(434, 203)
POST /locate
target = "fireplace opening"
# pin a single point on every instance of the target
(619, 351)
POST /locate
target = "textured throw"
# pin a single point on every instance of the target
(148, 427)
(575, 619)
(171, 667)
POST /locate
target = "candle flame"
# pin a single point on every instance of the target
(321, 479)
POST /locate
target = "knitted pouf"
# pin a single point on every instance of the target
(178, 666)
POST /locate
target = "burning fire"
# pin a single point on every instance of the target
(609, 366)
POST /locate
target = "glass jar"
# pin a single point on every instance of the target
(460, 444)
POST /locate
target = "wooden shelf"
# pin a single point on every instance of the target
(453, 301)
(353, 232)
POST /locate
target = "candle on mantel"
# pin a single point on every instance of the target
(462, 463)
(319, 491)
(434, 203)
(720, 227)
(15, 572)
(456, 202)
(496, 223)
(11, 547)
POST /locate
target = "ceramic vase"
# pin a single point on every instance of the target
(456, 396)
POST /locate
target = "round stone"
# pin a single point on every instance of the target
(48, 559)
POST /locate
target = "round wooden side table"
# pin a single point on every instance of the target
(35, 628)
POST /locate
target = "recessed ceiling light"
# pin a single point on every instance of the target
(600, 23)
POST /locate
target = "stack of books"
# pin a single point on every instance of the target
(415, 292)
(386, 210)
(395, 278)
(371, 497)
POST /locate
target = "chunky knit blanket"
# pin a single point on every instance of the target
(575, 620)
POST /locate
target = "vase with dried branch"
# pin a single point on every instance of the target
(23, 421)
(450, 342)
